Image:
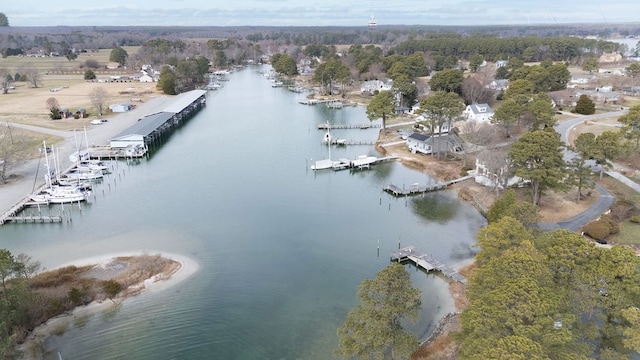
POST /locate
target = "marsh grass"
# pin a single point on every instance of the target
(55, 292)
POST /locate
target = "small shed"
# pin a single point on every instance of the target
(81, 113)
(124, 107)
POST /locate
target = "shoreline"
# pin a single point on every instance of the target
(34, 342)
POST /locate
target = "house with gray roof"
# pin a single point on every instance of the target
(478, 112)
(428, 144)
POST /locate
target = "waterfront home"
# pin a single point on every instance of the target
(372, 86)
(494, 171)
(428, 144)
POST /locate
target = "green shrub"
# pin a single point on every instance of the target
(597, 230)
(111, 288)
(635, 219)
(89, 75)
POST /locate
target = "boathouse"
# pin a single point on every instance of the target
(143, 131)
(151, 127)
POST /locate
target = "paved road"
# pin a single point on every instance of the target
(564, 127)
(30, 175)
(605, 199)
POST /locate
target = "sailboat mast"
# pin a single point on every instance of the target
(46, 159)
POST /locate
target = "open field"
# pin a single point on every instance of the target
(28, 105)
(51, 64)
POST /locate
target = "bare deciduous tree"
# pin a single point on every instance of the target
(4, 80)
(12, 150)
(52, 103)
(98, 99)
(474, 92)
(32, 74)
(27, 266)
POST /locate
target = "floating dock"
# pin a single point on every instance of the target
(415, 189)
(426, 262)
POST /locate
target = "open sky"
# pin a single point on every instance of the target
(315, 12)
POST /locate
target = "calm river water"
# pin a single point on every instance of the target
(281, 249)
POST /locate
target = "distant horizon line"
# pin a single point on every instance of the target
(330, 26)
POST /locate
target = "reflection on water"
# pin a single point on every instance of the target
(435, 207)
(281, 249)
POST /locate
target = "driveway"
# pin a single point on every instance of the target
(606, 199)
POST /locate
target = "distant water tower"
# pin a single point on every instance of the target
(372, 22)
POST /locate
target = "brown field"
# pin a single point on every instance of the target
(28, 105)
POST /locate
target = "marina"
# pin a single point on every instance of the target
(247, 299)
(150, 130)
(426, 262)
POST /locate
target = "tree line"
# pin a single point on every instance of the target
(550, 295)
(494, 48)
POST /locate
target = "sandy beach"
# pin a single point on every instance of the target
(39, 335)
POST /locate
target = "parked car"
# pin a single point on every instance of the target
(98, 121)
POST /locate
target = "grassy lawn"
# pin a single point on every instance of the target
(629, 234)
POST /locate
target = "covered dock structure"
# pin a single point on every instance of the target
(152, 127)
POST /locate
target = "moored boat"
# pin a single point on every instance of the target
(56, 194)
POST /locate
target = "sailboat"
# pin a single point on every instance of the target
(324, 163)
(84, 170)
(58, 194)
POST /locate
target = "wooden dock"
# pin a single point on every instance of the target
(415, 189)
(347, 126)
(343, 142)
(426, 262)
(34, 219)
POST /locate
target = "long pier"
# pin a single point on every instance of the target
(343, 142)
(415, 189)
(347, 126)
(12, 214)
(426, 262)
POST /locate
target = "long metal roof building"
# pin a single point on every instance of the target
(148, 127)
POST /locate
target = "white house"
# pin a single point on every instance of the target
(478, 112)
(423, 123)
(501, 63)
(581, 79)
(147, 74)
(372, 86)
(427, 144)
(483, 176)
(421, 143)
(499, 84)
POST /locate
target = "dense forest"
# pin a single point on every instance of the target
(54, 38)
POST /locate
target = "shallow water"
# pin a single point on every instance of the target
(281, 248)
